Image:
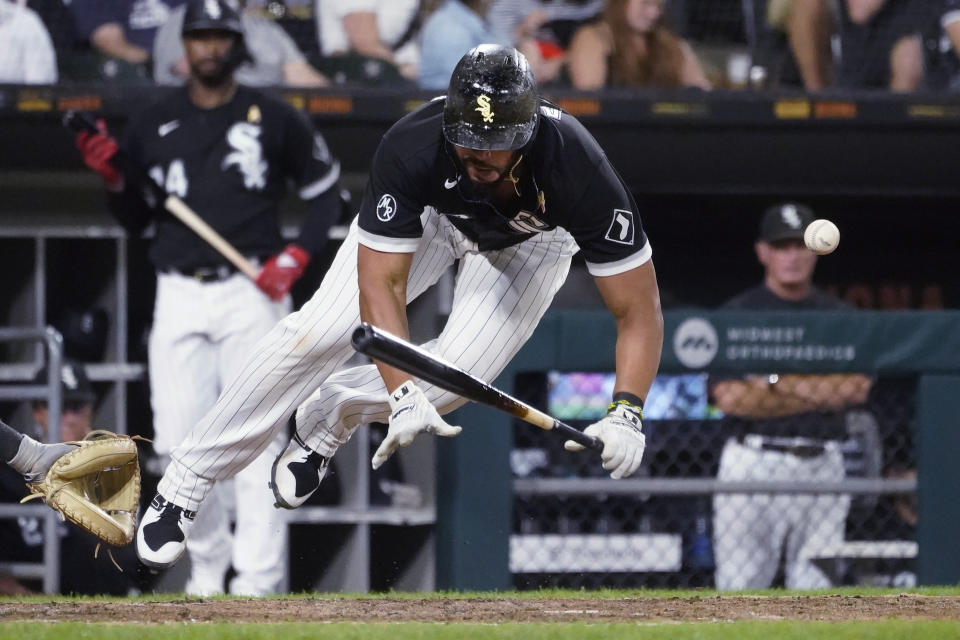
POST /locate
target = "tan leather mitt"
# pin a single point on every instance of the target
(96, 486)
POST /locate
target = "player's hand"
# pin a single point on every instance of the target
(623, 442)
(97, 150)
(410, 415)
(282, 270)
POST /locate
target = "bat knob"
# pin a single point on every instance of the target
(78, 121)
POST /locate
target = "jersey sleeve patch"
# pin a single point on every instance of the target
(387, 244)
(620, 266)
(621, 228)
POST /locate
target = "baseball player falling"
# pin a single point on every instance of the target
(227, 151)
(493, 177)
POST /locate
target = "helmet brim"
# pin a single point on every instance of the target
(471, 136)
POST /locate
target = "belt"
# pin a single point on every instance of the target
(799, 447)
(206, 274)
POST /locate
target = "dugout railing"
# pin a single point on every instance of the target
(477, 489)
(48, 571)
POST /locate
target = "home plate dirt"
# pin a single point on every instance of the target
(833, 608)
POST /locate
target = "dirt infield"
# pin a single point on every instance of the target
(834, 608)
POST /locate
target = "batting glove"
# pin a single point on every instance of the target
(282, 270)
(97, 150)
(623, 442)
(410, 415)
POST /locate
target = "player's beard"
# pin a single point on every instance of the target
(212, 75)
(482, 190)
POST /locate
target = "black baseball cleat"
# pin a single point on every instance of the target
(162, 536)
(296, 474)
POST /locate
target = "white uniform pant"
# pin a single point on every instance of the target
(750, 530)
(499, 298)
(202, 333)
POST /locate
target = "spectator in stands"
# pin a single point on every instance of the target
(521, 20)
(26, 54)
(276, 58)
(943, 43)
(881, 44)
(122, 29)
(456, 27)
(384, 31)
(782, 428)
(542, 29)
(632, 47)
(22, 539)
(793, 41)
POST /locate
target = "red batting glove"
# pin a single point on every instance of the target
(282, 270)
(98, 149)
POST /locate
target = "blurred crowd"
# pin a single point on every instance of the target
(900, 45)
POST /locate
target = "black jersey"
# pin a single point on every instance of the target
(231, 165)
(571, 185)
(762, 298)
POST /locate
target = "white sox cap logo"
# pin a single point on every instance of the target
(212, 9)
(790, 216)
(386, 208)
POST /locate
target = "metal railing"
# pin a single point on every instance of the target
(49, 569)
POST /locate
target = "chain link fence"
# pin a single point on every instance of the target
(807, 500)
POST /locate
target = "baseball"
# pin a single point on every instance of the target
(821, 237)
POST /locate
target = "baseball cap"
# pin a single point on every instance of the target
(75, 384)
(787, 220)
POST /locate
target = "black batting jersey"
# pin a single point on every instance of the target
(231, 165)
(570, 184)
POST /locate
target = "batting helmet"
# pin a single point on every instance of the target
(211, 15)
(492, 100)
(217, 15)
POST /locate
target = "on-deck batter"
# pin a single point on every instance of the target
(490, 176)
(228, 152)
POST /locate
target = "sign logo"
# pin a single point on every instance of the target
(621, 227)
(484, 108)
(695, 343)
(386, 208)
(450, 184)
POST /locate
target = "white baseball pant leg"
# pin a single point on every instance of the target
(499, 298)
(750, 529)
(196, 325)
(818, 521)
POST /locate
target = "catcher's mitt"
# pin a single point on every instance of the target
(96, 486)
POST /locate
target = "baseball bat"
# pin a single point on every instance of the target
(78, 121)
(419, 362)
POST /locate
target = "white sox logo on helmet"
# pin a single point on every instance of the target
(386, 208)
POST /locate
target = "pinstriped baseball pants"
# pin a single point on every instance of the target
(499, 297)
